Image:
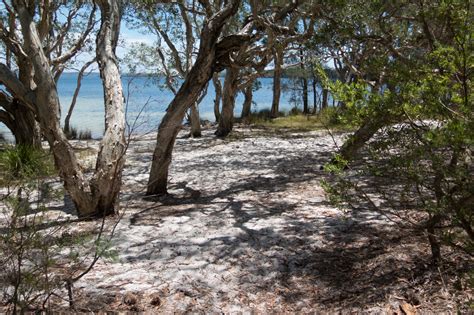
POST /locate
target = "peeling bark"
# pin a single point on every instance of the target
(107, 179)
(98, 196)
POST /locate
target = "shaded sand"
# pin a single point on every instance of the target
(247, 227)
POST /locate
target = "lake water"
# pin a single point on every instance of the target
(145, 97)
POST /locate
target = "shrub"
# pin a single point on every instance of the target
(330, 116)
(41, 257)
(74, 134)
(295, 111)
(85, 135)
(23, 162)
(71, 133)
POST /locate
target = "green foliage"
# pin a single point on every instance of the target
(24, 162)
(423, 163)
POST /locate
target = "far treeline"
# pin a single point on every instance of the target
(399, 71)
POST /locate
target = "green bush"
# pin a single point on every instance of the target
(23, 162)
(330, 116)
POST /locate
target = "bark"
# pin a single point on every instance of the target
(305, 84)
(25, 129)
(194, 83)
(433, 239)
(324, 103)
(228, 101)
(217, 99)
(21, 122)
(195, 122)
(305, 96)
(315, 95)
(365, 132)
(278, 60)
(97, 197)
(248, 97)
(48, 113)
(107, 181)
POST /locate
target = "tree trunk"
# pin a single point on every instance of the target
(26, 130)
(171, 122)
(278, 60)
(48, 113)
(195, 122)
(433, 239)
(217, 100)
(305, 83)
(195, 81)
(21, 122)
(107, 179)
(315, 95)
(365, 132)
(97, 197)
(230, 90)
(324, 103)
(247, 106)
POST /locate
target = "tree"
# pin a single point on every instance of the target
(97, 196)
(195, 81)
(217, 99)
(60, 48)
(175, 26)
(278, 55)
(422, 167)
(214, 55)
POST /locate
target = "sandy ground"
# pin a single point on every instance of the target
(247, 228)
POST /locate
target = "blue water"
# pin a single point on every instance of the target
(146, 99)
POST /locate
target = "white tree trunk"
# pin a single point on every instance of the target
(107, 179)
(95, 198)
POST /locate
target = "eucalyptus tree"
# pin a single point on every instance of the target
(60, 46)
(197, 78)
(96, 196)
(215, 54)
(176, 28)
(370, 45)
(249, 62)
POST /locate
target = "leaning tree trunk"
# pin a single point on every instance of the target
(365, 132)
(107, 181)
(188, 94)
(195, 121)
(278, 60)
(228, 101)
(248, 97)
(171, 122)
(217, 99)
